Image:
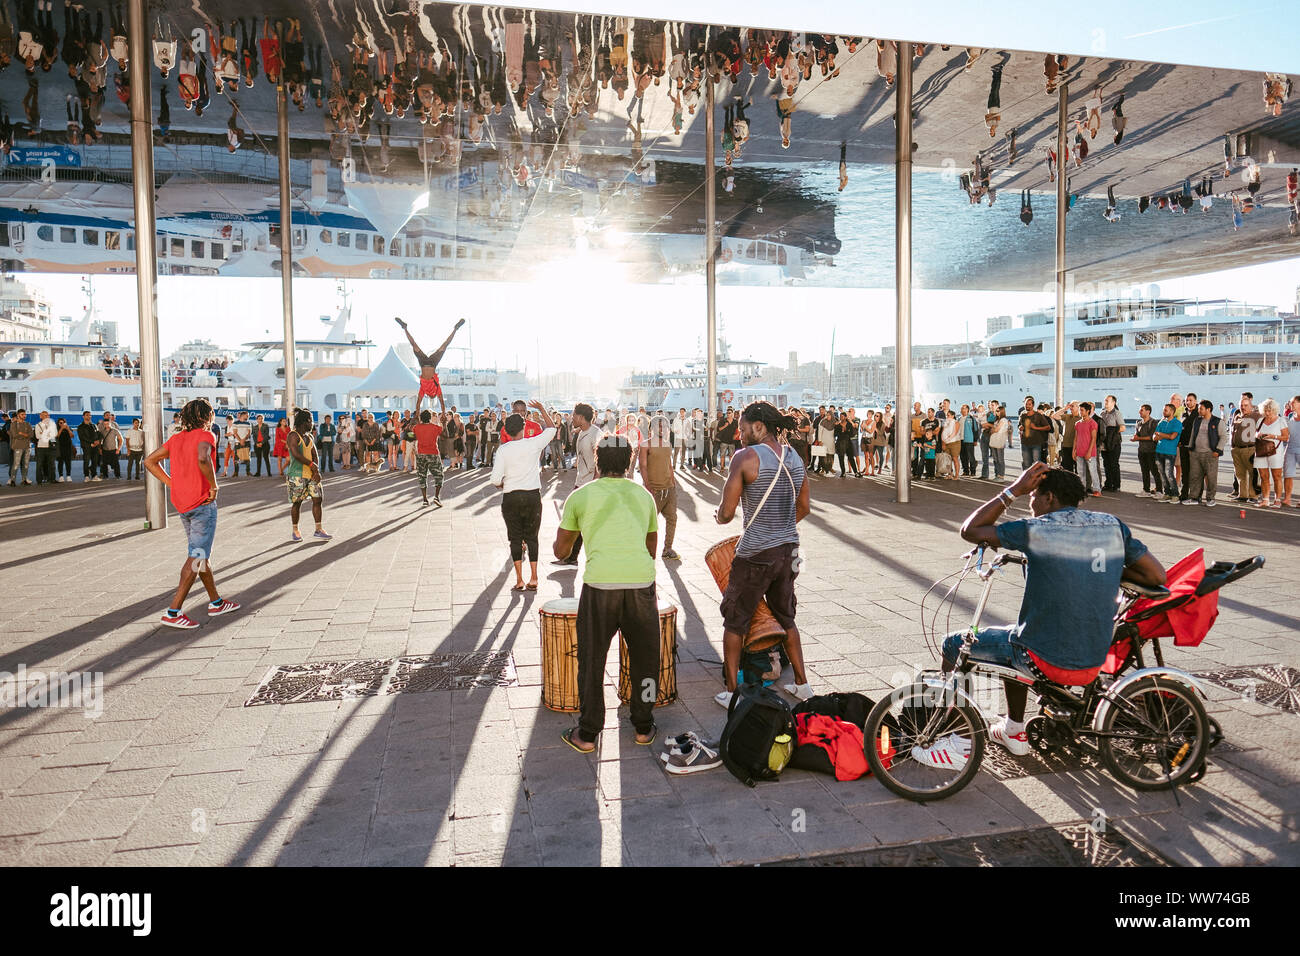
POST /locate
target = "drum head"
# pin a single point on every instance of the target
(666, 606)
(561, 607)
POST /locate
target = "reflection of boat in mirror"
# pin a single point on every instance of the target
(200, 235)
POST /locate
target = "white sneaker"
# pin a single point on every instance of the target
(1016, 744)
(946, 753)
(801, 691)
(723, 699)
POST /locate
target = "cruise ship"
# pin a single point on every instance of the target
(69, 377)
(1142, 351)
(66, 378)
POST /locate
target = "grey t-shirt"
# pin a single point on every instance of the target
(1202, 440)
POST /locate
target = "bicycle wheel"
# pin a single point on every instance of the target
(1163, 734)
(916, 714)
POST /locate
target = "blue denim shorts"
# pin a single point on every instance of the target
(200, 530)
(995, 646)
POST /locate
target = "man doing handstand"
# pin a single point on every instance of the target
(429, 384)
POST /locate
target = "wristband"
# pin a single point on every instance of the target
(1006, 495)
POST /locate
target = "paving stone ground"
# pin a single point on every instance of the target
(177, 770)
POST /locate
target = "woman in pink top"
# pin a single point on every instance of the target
(1085, 449)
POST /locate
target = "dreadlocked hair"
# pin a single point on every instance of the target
(767, 414)
(195, 414)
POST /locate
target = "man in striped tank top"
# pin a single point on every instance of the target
(768, 481)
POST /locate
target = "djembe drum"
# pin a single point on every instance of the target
(765, 632)
(667, 659)
(559, 620)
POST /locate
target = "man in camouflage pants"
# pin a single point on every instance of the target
(427, 460)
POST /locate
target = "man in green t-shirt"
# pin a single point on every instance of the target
(618, 521)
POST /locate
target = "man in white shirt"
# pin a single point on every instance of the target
(164, 54)
(46, 434)
(241, 434)
(517, 472)
(681, 429)
(586, 438)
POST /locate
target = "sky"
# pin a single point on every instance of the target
(521, 326)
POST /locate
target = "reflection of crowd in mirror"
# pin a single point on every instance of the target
(976, 182)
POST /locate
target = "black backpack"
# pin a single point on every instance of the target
(756, 717)
(849, 707)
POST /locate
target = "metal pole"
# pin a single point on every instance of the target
(710, 247)
(146, 262)
(1062, 207)
(903, 276)
(286, 253)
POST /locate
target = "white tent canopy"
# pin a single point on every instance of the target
(389, 206)
(390, 382)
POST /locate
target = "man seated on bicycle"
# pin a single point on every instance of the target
(1074, 563)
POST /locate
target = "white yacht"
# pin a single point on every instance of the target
(684, 386)
(1139, 350)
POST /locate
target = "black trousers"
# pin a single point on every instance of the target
(89, 461)
(522, 511)
(327, 456)
(968, 458)
(1150, 473)
(45, 464)
(64, 461)
(1110, 464)
(1185, 461)
(841, 451)
(601, 614)
(1067, 458)
(107, 460)
(263, 454)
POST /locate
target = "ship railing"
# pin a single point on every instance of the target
(1262, 340)
(174, 377)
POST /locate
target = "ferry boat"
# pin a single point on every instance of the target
(1141, 351)
(69, 377)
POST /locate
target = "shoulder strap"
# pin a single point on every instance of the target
(781, 469)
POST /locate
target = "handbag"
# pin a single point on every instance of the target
(998, 437)
(818, 450)
(241, 453)
(1265, 446)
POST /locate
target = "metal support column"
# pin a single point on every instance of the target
(903, 276)
(146, 262)
(1062, 207)
(286, 253)
(711, 250)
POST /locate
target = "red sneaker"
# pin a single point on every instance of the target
(225, 607)
(181, 621)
